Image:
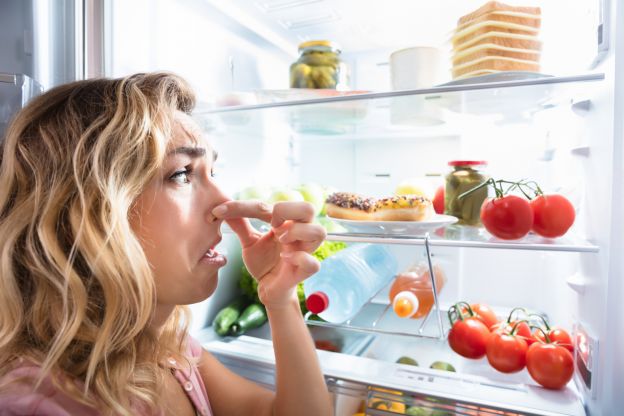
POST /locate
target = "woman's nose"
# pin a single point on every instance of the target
(217, 197)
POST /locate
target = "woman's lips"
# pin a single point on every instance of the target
(213, 257)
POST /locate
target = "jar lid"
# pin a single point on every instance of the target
(467, 162)
(313, 43)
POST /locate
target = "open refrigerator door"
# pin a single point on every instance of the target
(559, 126)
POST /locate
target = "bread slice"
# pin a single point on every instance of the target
(493, 50)
(508, 40)
(468, 34)
(519, 19)
(495, 6)
(498, 63)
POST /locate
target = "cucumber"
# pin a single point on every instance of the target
(228, 315)
(253, 316)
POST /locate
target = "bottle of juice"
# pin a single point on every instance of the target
(411, 293)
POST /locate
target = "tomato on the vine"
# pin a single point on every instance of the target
(506, 352)
(468, 335)
(508, 217)
(485, 314)
(550, 365)
(557, 336)
(553, 215)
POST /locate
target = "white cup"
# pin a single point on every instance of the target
(418, 67)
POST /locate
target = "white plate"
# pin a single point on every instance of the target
(396, 227)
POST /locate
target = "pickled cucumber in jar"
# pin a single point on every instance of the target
(319, 66)
(465, 175)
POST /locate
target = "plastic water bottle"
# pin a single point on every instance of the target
(347, 280)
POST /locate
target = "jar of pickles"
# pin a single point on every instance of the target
(465, 175)
(319, 66)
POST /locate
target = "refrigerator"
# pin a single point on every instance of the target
(562, 127)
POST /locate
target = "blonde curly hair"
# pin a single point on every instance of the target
(76, 291)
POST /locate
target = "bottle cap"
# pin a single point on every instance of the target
(317, 43)
(466, 162)
(405, 304)
(317, 302)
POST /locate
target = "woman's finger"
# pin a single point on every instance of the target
(245, 232)
(243, 209)
(304, 232)
(305, 265)
(294, 211)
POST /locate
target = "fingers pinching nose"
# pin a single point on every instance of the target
(219, 211)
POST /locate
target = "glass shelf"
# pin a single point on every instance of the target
(472, 237)
(378, 318)
(428, 111)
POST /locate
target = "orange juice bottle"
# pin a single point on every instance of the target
(411, 293)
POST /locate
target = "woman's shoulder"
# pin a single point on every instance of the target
(19, 394)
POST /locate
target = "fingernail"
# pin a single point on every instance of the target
(282, 238)
(219, 211)
(286, 254)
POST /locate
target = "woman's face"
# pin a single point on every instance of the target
(173, 221)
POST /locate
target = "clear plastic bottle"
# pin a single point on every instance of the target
(411, 293)
(347, 280)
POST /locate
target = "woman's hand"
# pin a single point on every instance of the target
(280, 258)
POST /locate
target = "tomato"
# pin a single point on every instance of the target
(468, 337)
(438, 200)
(508, 217)
(550, 365)
(556, 335)
(485, 313)
(553, 215)
(327, 345)
(506, 353)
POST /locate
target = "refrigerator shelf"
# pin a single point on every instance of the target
(377, 318)
(314, 113)
(470, 237)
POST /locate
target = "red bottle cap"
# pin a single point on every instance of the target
(466, 162)
(317, 302)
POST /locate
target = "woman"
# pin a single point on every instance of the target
(109, 217)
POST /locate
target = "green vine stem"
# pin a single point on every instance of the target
(546, 337)
(524, 186)
(542, 321)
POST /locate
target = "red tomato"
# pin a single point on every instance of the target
(553, 215)
(509, 217)
(550, 365)
(438, 200)
(468, 338)
(506, 353)
(523, 330)
(484, 313)
(558, 336)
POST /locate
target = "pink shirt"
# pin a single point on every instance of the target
(20, 399)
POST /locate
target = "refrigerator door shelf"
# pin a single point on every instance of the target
(254, 359)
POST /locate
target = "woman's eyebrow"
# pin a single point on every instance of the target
(193, 152)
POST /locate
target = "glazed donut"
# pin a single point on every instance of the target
(403, 208)
(350, 206)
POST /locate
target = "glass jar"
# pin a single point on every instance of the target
(465, 175)
(319, 66)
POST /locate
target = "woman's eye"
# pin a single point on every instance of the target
(182, 176)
